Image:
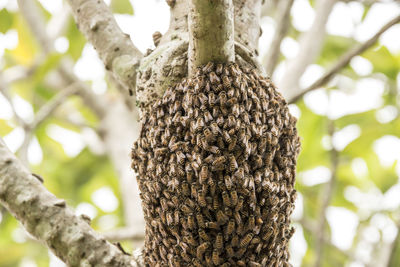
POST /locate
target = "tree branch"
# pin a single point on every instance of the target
(283, 24)
(247, 24)
(344, 60)
(309, 48)
(326, 199)
(211, 36)
(115, 48)
(50, 221)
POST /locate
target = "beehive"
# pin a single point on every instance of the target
(216, 163)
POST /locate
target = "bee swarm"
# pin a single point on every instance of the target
(216, 161)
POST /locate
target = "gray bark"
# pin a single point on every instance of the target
(211, 37)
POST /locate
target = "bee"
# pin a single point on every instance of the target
(268, 233)
(218, 162)
(219, 69)
(185, 188)
(199, 124)
(208, 67)
(219, 241)
(207, 116)
(232, 163)
(190, 222)
(185, 256)
(203, 143)
(212, 225)
(232, 144)
(227, 137)
(230, 227)
(237, 217)
(220, 142)
(170, 219)
(221, 217)
(231, 102)
(240, 263)
(239, 174)
(209, 159)
(203, 176)
(201, 249)
(214, 79)
(254, 264)
(225, 198)
(228, 182)
(214, 150)
(234, 198)
(200, 220)
(218, 88)
(215, 203)
(203, 235)
(208, 135)
(251, 223)
(196, 262)
(215, 257)
(236, 110)
(180, 157)
(215, 129)
(186, 209)
(235, 241)
(208, 259)
(226, 81)
(222, 98)
(212, 99)
(201, 199)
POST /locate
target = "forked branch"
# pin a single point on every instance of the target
(211, 36)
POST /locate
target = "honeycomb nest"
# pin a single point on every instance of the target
(216, 162)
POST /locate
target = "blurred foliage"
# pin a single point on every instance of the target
(76, 178)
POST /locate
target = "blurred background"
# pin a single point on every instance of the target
(70, 122)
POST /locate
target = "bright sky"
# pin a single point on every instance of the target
(363, 95)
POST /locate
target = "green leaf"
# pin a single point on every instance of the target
(121, 7)
(5, 128)
(333, 48)
(51, 63)
(383, 61)
(312, 128)
(383, 177)
(6, 20)
(76, 40)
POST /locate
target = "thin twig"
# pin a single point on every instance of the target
(283, 24)
(211, 36)
(44, 112)
(344, 60)
(327, 196)
(5, 92)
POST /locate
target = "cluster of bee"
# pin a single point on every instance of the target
(216, 163)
